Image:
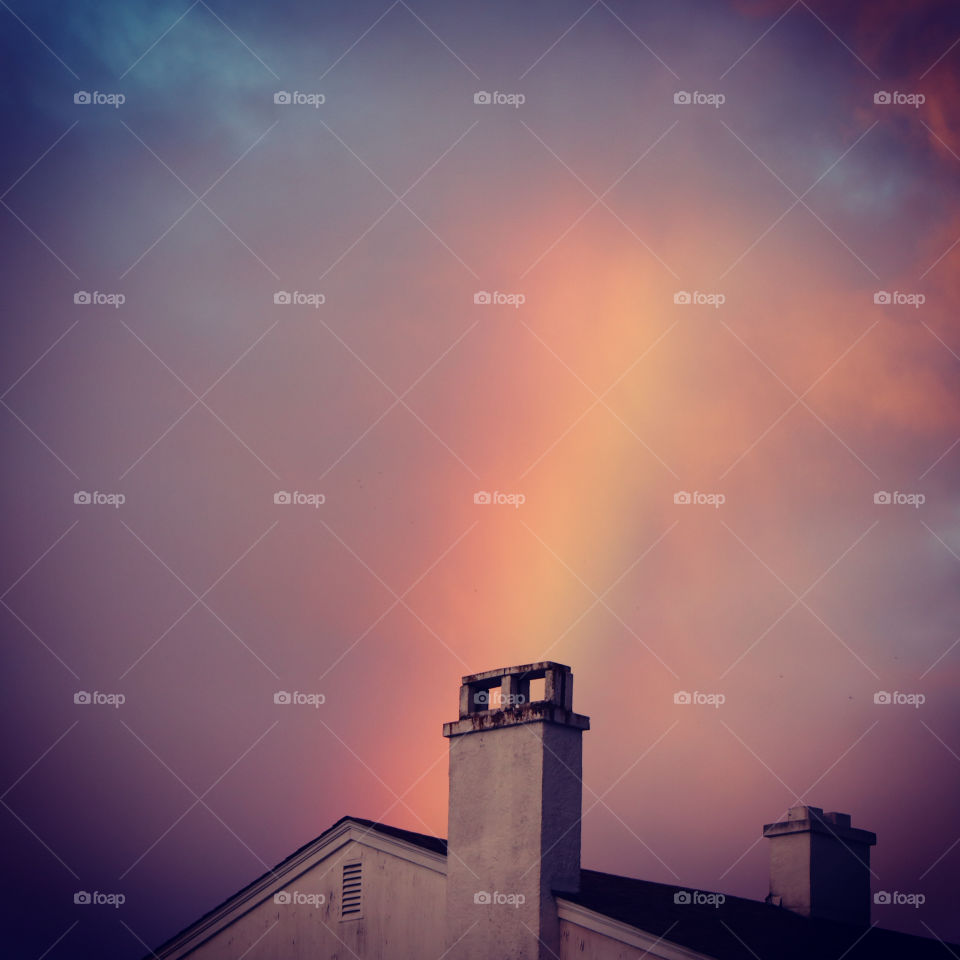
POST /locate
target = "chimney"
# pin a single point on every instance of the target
(515, 808)
(820, 865)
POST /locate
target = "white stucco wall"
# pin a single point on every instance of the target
(514, 830)
(578, 943)
(611, 940)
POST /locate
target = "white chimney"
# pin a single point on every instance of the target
(515, 807)
(820, 865)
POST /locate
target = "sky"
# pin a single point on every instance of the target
(291, 288)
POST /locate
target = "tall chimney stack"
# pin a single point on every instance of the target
(515, 808)
(820, 865)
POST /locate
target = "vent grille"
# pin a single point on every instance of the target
(351, 891)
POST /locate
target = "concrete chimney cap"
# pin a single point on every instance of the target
(809, 819)
(532, 671)
(514, 704)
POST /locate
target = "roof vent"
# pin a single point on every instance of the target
(350, 891)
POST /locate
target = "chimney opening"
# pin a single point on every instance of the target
(484, 696)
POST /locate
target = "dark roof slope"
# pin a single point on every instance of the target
(433, 844)
(741, 929)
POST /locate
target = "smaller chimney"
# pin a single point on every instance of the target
(820, 865)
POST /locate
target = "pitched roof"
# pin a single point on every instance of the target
(737, 929)
(432, 844)
(741, 929)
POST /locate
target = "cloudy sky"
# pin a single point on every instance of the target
(591, 259)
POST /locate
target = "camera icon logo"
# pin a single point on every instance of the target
(482, 97)
(81, 96)
(81, 296)
(681, 696)
(482, 496)
(881, 96)
(282, 897)
(882, 297)
(682, 297)
(281, 496)
(481, 296)
(882, 496)
(482, 896)
(682, 896)
(81, 696)
(281, 96)
(482, 696)
(282, 697)
(881, 696)
(81, 496)
(681, 96)
(881, 897)
(82, 897)
(682, 496)
(281, 296)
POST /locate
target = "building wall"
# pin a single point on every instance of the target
(578, 943)
(514, 831)
(841, 880)
(790, 871)
(402, 916)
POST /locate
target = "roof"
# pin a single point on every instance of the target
(741, 929)
(737, 929)
(432, 844)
